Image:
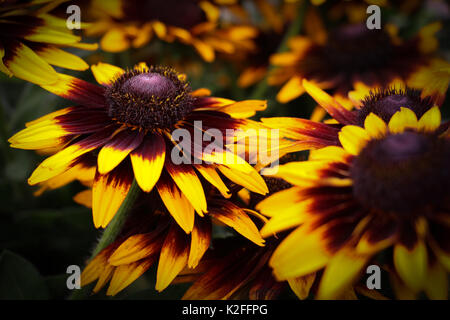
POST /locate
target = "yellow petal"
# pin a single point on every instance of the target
(302, 285)
(84, 198)
(108, 193)
(178, 205)
(46, 134)
(375, 126)
(160, 29)
(115, 40)
(291, 90)
(51, 35)
(299, 254)
(293, 215)
(402, 120)
(117, 149)
(148, 162)
(205, 50)
(27, 65)
(173, 258)
(200, 240)
(236, 218)
(56, 164)
(126, 274)
(186, 179)
(270, 205)
(436, 286)
(244, 109)
(211, 175)
(252, 181)
(105, 73)
(331, 153)
(135, 248)
(411, 265)
(94, 268)
(340, 273)
(353, 139)
(431, 120)
(61, 58)
(333, 107)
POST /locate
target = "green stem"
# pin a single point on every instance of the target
(110, 234)
(294, 29)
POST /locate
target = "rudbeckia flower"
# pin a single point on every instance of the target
(126, 126)
(302, 134)
(31, 42)
(124, 24)
(385, 191)
(271, 20)
(238, 269)
(351, 55)
(150, 236)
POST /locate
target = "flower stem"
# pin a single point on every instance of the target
(110, 234)
(294, 29)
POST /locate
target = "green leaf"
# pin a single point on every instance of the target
(19, 279)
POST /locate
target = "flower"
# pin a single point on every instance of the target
(234, 268)
(150, 233)
(125, 128)
(124, 24)
(31, 41)
(385, 191)
(354, 55)
(302, 134)
(238, 269)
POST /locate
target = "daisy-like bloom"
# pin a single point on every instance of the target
(150, 235)
(386, 190)
(353, 55)
(126, 126)
(31, 42)
(271, 20)
(124, 24)
(302, 134)
(238, 269)
(234, 268)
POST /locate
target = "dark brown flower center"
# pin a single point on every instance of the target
(386, 102)
(179, 13)
(355, 53)
(151, 99)
(403, 173)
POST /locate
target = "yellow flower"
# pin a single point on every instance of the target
(353, 55)
(124, 129)
(124, 24)
(31, 42)
(302, 134)
(150, 235)
(386, 187)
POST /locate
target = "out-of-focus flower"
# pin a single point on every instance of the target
(150, 232)
(271, 21)
(237, 269)
(31, 42)
(353, 55)
(124, 24)
(386, 188)
(126, 125)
